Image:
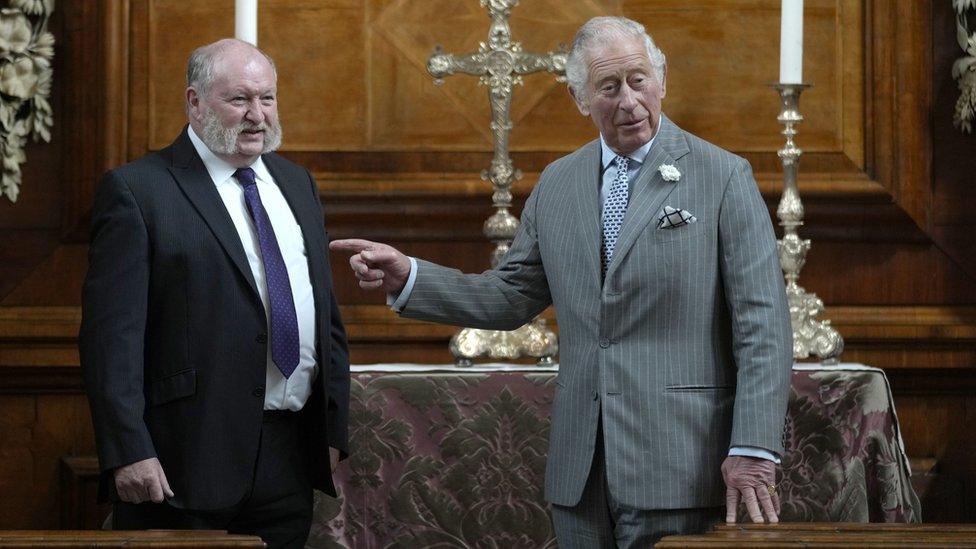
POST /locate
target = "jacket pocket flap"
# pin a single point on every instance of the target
(698, 388)
(178, 385)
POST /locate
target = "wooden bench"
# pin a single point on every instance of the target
(168, 539)
(814, 534)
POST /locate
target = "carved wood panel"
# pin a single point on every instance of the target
(887, 187)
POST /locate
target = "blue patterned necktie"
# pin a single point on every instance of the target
(614, 209)
(284, 321)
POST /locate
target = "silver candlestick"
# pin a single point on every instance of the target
(810, 336)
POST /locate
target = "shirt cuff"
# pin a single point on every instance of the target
(752, 451)
(398, 301)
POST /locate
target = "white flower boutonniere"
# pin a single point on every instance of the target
(669, 172)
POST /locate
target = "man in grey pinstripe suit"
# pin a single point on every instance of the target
(675, 332)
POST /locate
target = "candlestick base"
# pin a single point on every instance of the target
(532, 340)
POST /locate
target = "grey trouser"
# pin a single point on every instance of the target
(598, 521)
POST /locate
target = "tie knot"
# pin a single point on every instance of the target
(245, 176)
(622, 162)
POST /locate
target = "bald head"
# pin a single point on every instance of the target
(206, 61)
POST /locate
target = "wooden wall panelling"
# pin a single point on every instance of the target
(96, 114)
(35, 432)
(78, 494)
(398, 159)
(38, 352)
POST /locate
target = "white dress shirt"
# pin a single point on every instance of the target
(279, 393)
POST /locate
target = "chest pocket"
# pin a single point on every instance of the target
(685, 232)
(669, 251)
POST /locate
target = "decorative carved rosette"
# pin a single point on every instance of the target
(26, 50)
(964, 69)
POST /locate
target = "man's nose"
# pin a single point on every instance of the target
(254, 112)
(628, 98)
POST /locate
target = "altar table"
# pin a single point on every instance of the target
(456, 457)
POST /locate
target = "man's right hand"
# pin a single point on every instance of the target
(142, 481)
(377, 266)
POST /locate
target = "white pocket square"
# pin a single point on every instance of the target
(672, 218)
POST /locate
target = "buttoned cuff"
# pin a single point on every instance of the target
(752, 451)
(398, 301)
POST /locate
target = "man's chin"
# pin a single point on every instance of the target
(250, 148)
(632, 142)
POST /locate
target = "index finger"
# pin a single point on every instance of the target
(167, 491)
(354, 245)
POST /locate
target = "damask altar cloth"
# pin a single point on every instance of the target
(453, 457)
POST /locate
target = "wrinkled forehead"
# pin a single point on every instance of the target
(249, 68)
(617, 58)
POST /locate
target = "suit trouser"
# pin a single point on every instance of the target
(278, 508)
(599, 521)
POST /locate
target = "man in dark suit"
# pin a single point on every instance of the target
(214, 356)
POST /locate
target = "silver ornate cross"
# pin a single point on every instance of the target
(500, 63)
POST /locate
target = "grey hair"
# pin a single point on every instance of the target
(201, 68)
(602, 31)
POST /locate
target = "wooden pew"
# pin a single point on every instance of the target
(154, 539)
(813, 535)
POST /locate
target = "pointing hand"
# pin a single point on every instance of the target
(377, 266)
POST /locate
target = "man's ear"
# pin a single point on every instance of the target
(664, 81)
(583, 106)
(193, 103)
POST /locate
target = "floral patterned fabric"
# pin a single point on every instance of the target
(845, 461)
(458, 459)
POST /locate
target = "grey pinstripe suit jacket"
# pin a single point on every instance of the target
(686, 347)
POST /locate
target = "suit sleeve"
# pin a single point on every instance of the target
(762, 337)
(337, 384)
(503, 298)
(111, 341)
(337, 421)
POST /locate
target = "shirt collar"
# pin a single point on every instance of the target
(219, 169)
(638, 155)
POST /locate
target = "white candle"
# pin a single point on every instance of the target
(791, 43)
(246, 21)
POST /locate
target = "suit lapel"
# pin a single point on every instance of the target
(586, 188)
(650, 190)
(295, 192)
(194, 180)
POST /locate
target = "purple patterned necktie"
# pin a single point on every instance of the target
(284, 321)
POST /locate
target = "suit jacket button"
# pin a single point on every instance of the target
(262, 338)
(604, 343)
(595, 395)
(259, 392)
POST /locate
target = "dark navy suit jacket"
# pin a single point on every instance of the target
(173, 336)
